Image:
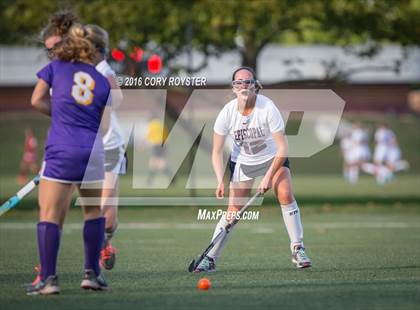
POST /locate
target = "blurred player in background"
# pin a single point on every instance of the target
(30, 156)
(346, 152)
(259, 149)
(359, 151)
(387, 155)
(394, 162)
(155, 136)
(79, 96)
(113, 140)
(383, 148)
(383, 137)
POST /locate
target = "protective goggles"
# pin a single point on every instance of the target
(239, 83)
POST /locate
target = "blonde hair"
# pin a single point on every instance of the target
(75, 46)
(98, 36)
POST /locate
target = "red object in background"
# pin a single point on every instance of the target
(154, 64)
(137, 54)
(117, 55)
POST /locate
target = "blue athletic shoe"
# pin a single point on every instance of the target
(47, 287)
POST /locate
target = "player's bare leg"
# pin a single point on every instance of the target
(238, 192)
(282, 185)
(109, 206)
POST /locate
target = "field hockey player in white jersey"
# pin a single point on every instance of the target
(115, 159)
(259, 149)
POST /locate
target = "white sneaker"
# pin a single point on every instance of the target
(206, 265)
(300, 259)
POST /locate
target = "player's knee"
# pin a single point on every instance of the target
(91, 212)
(285, 195)
(49, 213)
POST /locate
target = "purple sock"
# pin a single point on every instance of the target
(48, 245)
(93, 237)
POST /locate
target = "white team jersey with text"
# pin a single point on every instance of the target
(113, 137)
(386, 149)
(252, 134)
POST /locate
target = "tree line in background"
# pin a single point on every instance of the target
(170, 28)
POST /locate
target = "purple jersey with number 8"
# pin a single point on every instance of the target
(79, 94)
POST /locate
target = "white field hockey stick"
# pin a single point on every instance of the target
(13, 201)
(195, 262)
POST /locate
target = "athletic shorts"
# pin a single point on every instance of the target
(116, 160)
(72, 164)
(242, 172)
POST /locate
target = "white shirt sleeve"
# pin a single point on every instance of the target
(221, 126)
(275, 120)
(105, 69)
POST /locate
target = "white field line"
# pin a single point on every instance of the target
(196, 226)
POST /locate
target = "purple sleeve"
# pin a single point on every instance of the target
(46, 74)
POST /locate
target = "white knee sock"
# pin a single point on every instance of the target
(346, 173)
(291, 217)
(384, 174)
(218, 247)
(353, 175)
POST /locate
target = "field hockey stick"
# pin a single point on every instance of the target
(195, 262)
(13, 201)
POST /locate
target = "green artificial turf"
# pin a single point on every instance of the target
(364, 257)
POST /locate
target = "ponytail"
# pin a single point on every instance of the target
(75, 46)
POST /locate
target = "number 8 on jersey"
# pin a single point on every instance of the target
(82, 91)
